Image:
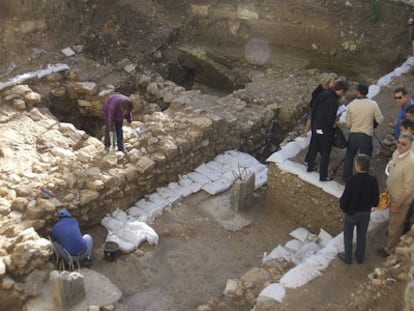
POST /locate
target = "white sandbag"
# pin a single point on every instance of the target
(198, 178)
(125, 246)
(209, 172)
(131, 235)
(300, 234)
(324, 238)
(179, 189)
(278, 252)
(217, 166)
(120, 215)
(273, 291)
(293, 245)
(299, 276)
(217, 186)
(167, 194)
(320, 260)
(195, 187)
(229, 176)
(308, 249)
(111, 224)
(150, 235)
(185, 181)
(260, 179)
(257, 168)
(136, 212)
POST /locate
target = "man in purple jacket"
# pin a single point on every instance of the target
(115, 109)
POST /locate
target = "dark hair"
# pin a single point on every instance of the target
(401, 89)
(410, 109)
(362, 88)
(363, 161)
(408, 124)
(126, 105)
(341, 85)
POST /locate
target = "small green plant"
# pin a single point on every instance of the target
(374, 11)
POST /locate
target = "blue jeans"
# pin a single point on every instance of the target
(360, 220)
(86, 254)
(357, 143)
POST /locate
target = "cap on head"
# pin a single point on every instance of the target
(64, 213)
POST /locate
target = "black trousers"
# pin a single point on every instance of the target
(357, 143)
(119, 135)
(320, 143)
(360, 220)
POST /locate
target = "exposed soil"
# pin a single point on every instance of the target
(196, 255)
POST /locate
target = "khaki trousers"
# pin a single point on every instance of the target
(396, 227)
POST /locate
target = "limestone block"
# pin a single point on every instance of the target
(63, 153)
(83, 88)
(33, 98)
(68, 289)
(145, 164)
(2, 267)
(153, 89)
(46, 204)
(201, 10)
(170, 149)
(19, 104)
(58, 91)
(233, 288)
(84, 103)
(95, 185)
(201, 122)
(255, 278)
(144, 80)
(7, 283)
(5, 206)
(109, 160)
(87, 196)
(246, 14)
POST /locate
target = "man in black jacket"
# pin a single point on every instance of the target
(360, 195)
(323, 123)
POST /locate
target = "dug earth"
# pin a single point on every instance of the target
(205, 77)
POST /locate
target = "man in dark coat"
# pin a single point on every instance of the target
(323, 123)
(360, 195)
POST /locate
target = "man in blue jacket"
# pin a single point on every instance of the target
(69, 239)
(403, 101)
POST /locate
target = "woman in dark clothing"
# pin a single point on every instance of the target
(360, 195)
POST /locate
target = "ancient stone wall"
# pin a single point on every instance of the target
(301, 203)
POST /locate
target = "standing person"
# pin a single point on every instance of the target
(410, 113)
(115, 109)
(411, 23)
(400, 186)
(323, 122)
(362, 114)
(403, 101)
(69, 239)
(327, 82)
(360, 195)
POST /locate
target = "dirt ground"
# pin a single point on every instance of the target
(196, 254)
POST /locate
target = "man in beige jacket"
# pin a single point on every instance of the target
(400, 185)
(361, 115)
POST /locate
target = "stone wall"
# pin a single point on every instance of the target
(301, 203)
